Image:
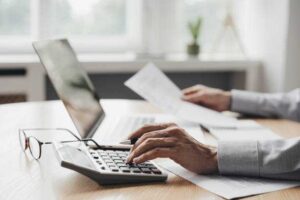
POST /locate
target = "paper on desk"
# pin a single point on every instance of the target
(226, 186)
(246, 130)
(154, 86)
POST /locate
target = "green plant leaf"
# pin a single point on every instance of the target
(195, 28)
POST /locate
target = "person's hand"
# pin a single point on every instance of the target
(210, 97)
(170, 141)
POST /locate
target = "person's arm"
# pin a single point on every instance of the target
(278, 159)
(284, 105)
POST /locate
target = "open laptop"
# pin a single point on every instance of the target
(105, 164)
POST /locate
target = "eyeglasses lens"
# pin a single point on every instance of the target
(34, 148)
(22, 140)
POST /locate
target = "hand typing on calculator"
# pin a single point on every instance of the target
(170, 141)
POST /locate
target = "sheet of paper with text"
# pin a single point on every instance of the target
(154, 86)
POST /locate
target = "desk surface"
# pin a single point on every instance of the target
(23, 178)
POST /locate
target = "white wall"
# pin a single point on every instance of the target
(292, 64)
(160, 26)
(263, 25)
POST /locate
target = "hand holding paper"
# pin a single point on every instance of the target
(154, 86)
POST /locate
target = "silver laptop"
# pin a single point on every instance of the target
(105, 164)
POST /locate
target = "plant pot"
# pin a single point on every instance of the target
(193, 49)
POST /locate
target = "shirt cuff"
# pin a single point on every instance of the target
(238, 158)
(244, 102)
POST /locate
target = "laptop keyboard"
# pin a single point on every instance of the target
(129, 124)
(115, 161)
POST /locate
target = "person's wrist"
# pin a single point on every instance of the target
(211, 160)
(227, 100)
(214, 160)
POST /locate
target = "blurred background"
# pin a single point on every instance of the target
(244, 44)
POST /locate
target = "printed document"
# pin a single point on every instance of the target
(154, 86)
(246, 130)
(226, 186)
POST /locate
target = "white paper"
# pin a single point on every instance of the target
(226, 186)
(154, 86)
(247, 130)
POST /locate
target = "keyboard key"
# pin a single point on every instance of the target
(156, 171)
(114, 169)
(124, 169)
(118, 161)
(141, 165)
(149, 165)
(135, 170)
(131, 165)
(146, 170)
(99, 162)
(116, 158)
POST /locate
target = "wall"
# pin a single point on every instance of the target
(292, 64)
(263, 25)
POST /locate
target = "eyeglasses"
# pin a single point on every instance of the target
(35, 146)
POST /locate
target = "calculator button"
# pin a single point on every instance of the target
(105, 157)
(99, 162)
(125, 169)
(114, 169)
(156, 171)
(136, 170)
(122, 165)
(146, 170)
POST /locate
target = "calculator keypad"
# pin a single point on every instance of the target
(115, 161)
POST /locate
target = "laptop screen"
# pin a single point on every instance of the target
(72, 84)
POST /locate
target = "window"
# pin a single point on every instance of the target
(14, 17)
(92, 26)
(149, 27)
(82, 18)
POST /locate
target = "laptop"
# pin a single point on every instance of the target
(104, 163)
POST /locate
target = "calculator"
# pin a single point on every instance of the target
(107, 164)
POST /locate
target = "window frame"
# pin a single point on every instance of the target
(89, 44)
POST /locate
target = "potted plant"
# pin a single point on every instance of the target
(194, 27)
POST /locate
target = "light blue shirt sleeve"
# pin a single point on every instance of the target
(282, 105)
(278, 159)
